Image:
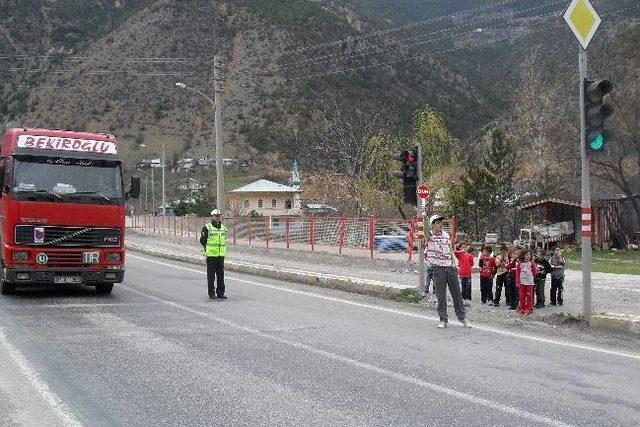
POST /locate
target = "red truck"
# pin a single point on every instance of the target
(62, 209)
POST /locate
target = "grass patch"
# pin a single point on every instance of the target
(409, 295)
(619, 262)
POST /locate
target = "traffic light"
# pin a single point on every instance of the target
(409, 174)
(596, 112)
(411, 180)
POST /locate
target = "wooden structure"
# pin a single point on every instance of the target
(609, 215)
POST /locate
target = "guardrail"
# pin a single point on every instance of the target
(344, 234)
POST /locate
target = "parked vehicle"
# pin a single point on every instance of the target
(491, 238)
(62, 210)
(545, 236)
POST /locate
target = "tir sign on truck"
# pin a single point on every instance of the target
(62, 209)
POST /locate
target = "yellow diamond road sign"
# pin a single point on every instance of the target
(583, 20)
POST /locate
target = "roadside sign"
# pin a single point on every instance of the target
(583, 21)
(423, 192)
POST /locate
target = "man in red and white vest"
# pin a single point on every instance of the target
(439, 253)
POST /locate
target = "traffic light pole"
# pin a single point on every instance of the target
(587, 231)
(423, 212)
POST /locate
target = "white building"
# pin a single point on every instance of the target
(266, 198)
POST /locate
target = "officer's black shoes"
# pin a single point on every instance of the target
(221, 297)
(212, 297)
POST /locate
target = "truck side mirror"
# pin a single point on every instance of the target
(134, 188)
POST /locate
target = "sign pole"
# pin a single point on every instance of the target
(587, 231)
(420, 211)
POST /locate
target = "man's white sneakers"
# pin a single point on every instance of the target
(442, 325)
(466, 324)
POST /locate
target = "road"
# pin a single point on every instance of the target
(158, 351)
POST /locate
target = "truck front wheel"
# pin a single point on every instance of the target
(104, 288)
(8, 288)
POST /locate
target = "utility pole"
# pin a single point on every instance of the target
(218, 128)
(586, 193)
(164, 204)
(584, 21)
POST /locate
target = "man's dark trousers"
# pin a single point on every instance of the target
(540, 282)
(215, 275)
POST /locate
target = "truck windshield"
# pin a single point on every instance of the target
(73, 180)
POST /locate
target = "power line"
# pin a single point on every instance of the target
(275, 67)
(276, 54)
(183, 73)
(425, 55)
(420, 56)
(386, 46)
(385, 31)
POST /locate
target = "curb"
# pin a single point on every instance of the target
(626, 325)
(349, 284)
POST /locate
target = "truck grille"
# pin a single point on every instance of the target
(63, 259)
(67, 236)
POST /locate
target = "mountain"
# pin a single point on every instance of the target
(103, 65)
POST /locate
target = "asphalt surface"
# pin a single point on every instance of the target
(159, 352)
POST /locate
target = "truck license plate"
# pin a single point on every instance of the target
(68, 279)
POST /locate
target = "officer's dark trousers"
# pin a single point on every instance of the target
(215, 275)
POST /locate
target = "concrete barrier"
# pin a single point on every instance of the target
(622, 324)
(344, 283)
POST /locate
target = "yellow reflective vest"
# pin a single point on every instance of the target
(216, 240)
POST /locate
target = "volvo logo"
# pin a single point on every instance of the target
(38, 235)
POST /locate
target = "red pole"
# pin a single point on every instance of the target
(312, 224)
(235, 222)
(175, 226)
(250, 225)
(266, 229)
(287, 235)
(181, 226)
(454, 230)
(372, 231)
(154, 224)
(343, 226)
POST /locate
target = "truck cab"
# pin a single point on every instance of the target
(62, 209)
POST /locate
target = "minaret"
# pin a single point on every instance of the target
(295, 176)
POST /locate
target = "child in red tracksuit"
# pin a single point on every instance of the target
(526, 271)
(488, 270)
(464, 253)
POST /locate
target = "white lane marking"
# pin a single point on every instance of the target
(362, 365)
(90, 305)
(58, 406)
(409, 314)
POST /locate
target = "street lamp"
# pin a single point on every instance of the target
(218, 144)
(164, 204)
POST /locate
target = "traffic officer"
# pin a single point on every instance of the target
(214, 240)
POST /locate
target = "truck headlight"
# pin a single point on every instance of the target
(113, 256)
(20, 255)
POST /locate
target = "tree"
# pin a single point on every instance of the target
(439, 147)
(500, 170)
(620, 164)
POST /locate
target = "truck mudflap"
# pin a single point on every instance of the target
(22, 276)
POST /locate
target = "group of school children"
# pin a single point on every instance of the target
(517, 271)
